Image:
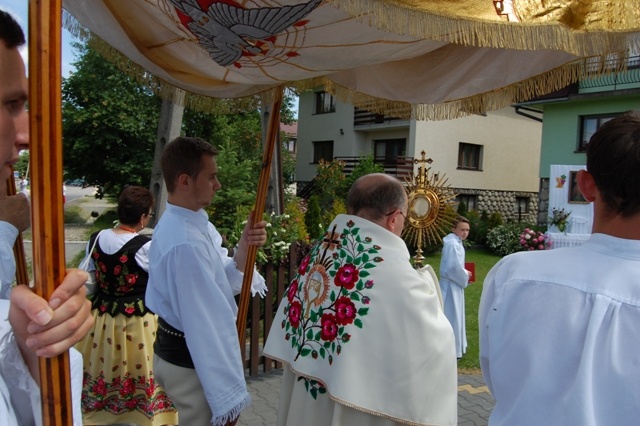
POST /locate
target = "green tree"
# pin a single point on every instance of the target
(238, 192)
(109, 124)
(313, 218)
(366, 165)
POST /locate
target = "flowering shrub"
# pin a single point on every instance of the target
(534, 240)
(282, 230)
(504, 239)
(559, 218)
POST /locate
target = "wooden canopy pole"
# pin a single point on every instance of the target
(258, 210)
(45, 127)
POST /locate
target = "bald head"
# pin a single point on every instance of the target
(376, 195)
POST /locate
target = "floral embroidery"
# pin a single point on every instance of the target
(314, 387)
(124, 394)
(325, 300)
(121, 281)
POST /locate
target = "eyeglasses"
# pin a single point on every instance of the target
(398, 210)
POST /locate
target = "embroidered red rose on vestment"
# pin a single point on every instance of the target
(329, 327)
(295, 312)
(95, 254)
(124, 258)
(345, 311)
(129, 310)
(102, 267)
(117, 270)
(131, 278)
(303, 265)
(347, 276)
(292, 291)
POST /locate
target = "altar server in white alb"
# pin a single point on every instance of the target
(362, 333)
(559, 329)
(454, 278)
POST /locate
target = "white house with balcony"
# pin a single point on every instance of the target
(491, 161)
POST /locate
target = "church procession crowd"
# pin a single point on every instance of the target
(364, 337)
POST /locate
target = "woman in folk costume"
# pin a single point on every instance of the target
(362, 333)
(119, 384)
(454, 278)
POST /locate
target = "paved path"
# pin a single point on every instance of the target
(474, 401)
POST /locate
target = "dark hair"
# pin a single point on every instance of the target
(10, 31)
(376, 195)
(184, 155)
(613, 159)
(134, 201)
(459, 219)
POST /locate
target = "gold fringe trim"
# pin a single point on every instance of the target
(539, 85)
(558, 78)
(403, 18)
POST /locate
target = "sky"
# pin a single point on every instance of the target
(20, 9)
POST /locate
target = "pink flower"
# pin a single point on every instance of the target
(345, 311)
(295, 312)
(329, 327)
(541, 247)
(347, 276)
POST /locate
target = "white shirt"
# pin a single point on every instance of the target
(8, 235)
(19, 394)
(192, 282)
(559, 335)
(16, 383)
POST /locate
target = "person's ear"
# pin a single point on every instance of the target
(184, 180)
(587, 185)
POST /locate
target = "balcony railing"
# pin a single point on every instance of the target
(399, 167)
(631, 76)
(363, 117)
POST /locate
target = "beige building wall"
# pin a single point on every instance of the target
(510, 150)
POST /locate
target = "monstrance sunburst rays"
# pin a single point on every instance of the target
(428, 216)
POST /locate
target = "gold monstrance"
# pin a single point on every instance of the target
(428, 216)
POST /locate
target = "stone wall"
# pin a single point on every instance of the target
(504, 202)
(543, 202)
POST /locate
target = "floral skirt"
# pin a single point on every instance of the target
(118, 383)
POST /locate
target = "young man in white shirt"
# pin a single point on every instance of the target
(559, 328)
(192, 283)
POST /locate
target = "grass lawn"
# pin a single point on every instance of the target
(484, 260)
